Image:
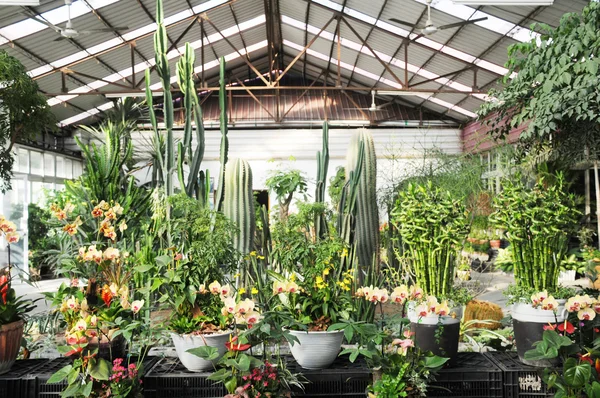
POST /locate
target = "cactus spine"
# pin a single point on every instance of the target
(224, 140)
(322, 167)
(239, 203)
(366, 238)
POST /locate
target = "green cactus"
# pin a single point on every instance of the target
(366, 237)
(322, 167)
(346, 219)
(224, 140)
(239, 203)
(193, 114)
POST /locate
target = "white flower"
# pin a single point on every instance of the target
(137, 305)
(229, 305)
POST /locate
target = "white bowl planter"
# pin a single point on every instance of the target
(317, 350)
(526, 313)
(193, 363)
(566, 276)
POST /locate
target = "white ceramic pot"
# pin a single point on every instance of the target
(432, 319)
(526, 313)
(193, 363)
(566, 276)
(317, 350)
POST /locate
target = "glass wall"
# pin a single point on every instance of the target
(35, 172)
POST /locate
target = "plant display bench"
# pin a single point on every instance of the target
(520, 380)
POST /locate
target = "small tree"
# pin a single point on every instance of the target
(284, 183)
(24, 112)
(556, 91)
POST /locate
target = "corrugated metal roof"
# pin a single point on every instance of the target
(440, 54)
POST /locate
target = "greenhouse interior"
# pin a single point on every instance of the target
(299, 198)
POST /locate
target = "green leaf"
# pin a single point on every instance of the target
(354, 355)
(87, 390)
(220, 375)
(577, 375)
(435, 362)
(60, 375)
(99, 369)
(244, 363)
(231, 385)
(143, 268)
(205, 352)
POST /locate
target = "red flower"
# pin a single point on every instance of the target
(4, 282)
(74, 351)
(232, 346)
(586, 358)
(106, 295)
(597, 366)
(566, 326)
(549, 327)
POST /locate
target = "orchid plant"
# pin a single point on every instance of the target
(575, 342)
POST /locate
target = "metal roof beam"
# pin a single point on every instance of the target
(346, 15)
(532, 14)
(258, 74)
(32, 11)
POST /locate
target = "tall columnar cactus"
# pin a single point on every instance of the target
(224, 140)
(366, 238)
(322, 167)
(193, 114)
(239, 203)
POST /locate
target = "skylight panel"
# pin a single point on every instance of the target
(55, 16)
(143, 65)
(384, 57)
(492, 23)
(207, 66)
(130, 36)
(405, 33)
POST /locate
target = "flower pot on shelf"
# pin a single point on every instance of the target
(566, 276)
(10, 343)
(316, 350)
(528, 325)
(495, 243)
(193, 363)
(438, 334)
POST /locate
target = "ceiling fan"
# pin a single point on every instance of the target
(69, 32)
(430, 28)
(374, 107)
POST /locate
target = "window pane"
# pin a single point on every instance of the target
(68, 168)
(60, 166)
(48, 165)
(23, 160)
(37, 193)
(76, 169)
(36, 163)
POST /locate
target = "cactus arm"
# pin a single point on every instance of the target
(180, 156)
(198, 154)
(224, 140)
(185, 70)
(322, 167)
(156, 136)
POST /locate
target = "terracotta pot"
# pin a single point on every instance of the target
(495, 243)
(10, 343)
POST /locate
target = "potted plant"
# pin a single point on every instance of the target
(400, 369)
(537, 222)
(12, 308)
(433, 226)
(574, 343)
(495, 241)
(193, 279)
(464, 269)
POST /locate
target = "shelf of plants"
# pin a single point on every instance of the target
(21, 381)
(519, 380)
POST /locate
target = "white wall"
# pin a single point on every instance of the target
(266, 150)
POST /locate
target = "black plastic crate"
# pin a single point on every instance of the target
(473, 375)
(341, 379)
(20, 381)
(169, 378)
(520, 380)
(49, 390)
